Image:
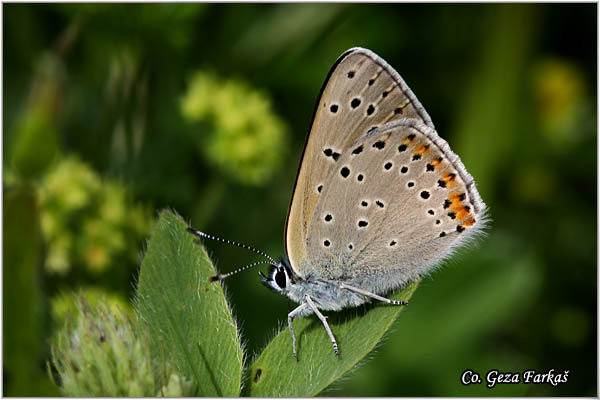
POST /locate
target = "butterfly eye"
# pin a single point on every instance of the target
(280, 279)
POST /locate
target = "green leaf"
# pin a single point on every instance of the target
(277, 374)
(191, 326)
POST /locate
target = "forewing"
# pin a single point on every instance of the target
(362, 92)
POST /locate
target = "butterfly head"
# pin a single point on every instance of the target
(280, 277)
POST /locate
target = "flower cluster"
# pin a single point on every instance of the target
(86, 221)
(243, 136)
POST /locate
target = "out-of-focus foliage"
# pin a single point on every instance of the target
(559, 89)
(244, 137)
(110, 111)
(36, 139)
(24, 310)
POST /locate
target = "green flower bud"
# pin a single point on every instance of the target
(103, 352)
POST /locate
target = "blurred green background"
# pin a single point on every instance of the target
(113, 112)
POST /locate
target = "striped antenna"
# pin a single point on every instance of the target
(220, 277)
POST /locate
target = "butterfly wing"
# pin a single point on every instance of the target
(397, 202)
(362, 92)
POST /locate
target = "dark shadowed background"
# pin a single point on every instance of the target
(113, 112)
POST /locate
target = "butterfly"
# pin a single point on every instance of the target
(379, 200)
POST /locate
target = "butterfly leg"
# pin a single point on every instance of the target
(373, 295)
(324, 321)
(291, 317)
